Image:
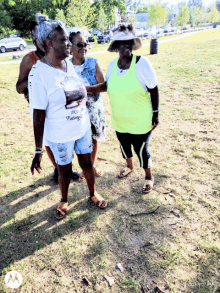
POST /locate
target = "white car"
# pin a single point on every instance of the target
(12, 43)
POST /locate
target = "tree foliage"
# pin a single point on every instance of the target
(214, 14)
(60, 15)
(193, 3)
(143, 9)
(194, 13)
(157, 15)
(218, 5)
(110, 5)
(5, 22)
(80, 13)
(101, 21)
(183, 16)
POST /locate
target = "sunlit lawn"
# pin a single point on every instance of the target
(177, 247)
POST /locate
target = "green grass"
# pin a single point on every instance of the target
(176, 248)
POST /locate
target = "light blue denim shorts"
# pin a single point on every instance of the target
(63, 152)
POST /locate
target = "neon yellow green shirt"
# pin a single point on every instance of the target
(131, 108)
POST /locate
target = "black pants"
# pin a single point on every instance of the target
(140, 145)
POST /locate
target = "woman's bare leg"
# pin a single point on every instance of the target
(64, 180)
(94, 151)
(85, 162)
(51, 156)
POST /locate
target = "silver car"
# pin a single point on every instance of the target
(12, 43)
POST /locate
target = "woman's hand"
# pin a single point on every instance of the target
(155, 120)
(36, 163)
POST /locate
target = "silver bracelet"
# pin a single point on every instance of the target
(39, 151)
(155, 111)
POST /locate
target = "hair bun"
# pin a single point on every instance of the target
(41, 18)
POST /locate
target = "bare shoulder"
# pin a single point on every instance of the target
(25, 68)
(26, 62)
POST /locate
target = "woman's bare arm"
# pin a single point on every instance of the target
(25, 68)
(39, 119)
(154, 94)
(99, 74)
(98, 88)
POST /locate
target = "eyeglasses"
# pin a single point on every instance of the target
(81, 45)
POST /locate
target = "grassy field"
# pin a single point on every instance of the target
(167, 239)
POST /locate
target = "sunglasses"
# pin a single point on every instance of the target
(81, 45)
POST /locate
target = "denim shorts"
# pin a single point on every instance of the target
(63, 152)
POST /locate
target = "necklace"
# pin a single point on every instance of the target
(48, 63)
(122, 67)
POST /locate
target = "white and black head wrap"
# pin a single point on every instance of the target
(46, 26)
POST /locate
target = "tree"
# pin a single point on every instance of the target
(109, 7)
(218, 5)
(157, 15)
(60, 15)
(213, 14)
(137, 6)
(142, 9)
(203, 16)
(183, 16)
(101, 22)
(80, 13)
(5, 22)
(193, 3)
(194, 13)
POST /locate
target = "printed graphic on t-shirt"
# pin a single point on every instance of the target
(76, 96)
(74, 99)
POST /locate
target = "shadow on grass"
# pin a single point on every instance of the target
(24, 237)
(137, 235)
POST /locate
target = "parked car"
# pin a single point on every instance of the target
(160, 32)
(91, 38)
(187, 27)
(103, 39)
(167, 30)
(173, 29)
(12, 44)
(146, 34)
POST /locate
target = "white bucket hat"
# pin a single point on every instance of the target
(124, 33)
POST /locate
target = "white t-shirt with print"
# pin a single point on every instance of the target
(144, 71)
(63, 96)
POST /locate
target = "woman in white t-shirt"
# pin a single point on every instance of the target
(134, 98)
(58, 98)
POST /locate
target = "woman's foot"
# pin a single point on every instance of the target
(97, 172)
(123, 173)
(61, 210)
(82, 178)
(148, 185)
(99, 201)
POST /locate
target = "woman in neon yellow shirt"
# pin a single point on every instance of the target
(134, 98)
